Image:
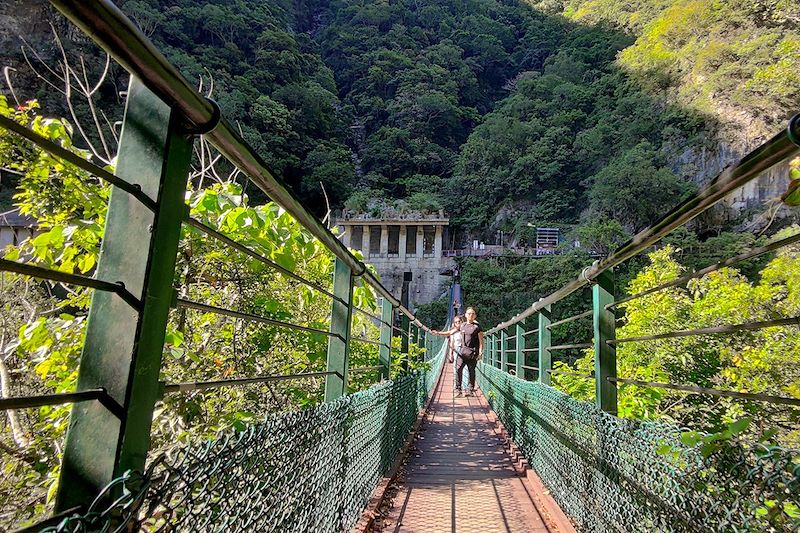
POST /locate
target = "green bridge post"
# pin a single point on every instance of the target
(504, 350)
(519, 347)
(490, 346)
(605, 354)
(404, 341)
(385, 351)
(545, 358)
(421, 336)
(123, 347)
(339, 342)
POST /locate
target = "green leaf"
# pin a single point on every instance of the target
(690, 438)
(740, 425)
(792, 195)
(664, 449)
(286, 260)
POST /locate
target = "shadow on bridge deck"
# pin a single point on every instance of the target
(460, 478)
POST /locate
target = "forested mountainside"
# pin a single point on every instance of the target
(500, 112)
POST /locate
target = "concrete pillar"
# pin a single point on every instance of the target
(384, 240)
(365, 236)
(437, 243)
(402, 245)
(347, 237)
(420, 241)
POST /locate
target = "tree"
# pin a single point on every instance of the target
(759, 361)
(634, 190)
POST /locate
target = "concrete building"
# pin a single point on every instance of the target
(402, 243)
(15, 228)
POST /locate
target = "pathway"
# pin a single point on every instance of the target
(460, 479)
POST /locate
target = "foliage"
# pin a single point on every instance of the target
(601, 236)
(633, 191)
(759, 361)
(43, 357)
(724, 57)
(434, 313)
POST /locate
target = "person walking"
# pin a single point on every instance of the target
(471, 348)
(454, 339)
(465, 348)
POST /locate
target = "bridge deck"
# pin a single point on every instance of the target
(459, 477)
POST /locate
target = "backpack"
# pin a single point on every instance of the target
(470, 341)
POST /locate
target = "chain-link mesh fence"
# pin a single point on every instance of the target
(311, 470)
(612, 474)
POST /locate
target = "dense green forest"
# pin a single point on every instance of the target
(503, 113)
(583, 114)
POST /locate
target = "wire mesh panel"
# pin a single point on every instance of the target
(611, 474)
(310, 470)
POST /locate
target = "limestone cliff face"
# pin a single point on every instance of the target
(761, 196)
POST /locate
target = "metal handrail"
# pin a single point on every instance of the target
(188, 304)
(572, 318)
(581, 345)
(727, 329)
(62, 153)
(712, 268)
(777, 149)
(366, 341)
(113, 31)
(365, 369)
(568, 373)
(38, 272)
(167, 388)
(211, 232)
(42, 400)
(713, 392)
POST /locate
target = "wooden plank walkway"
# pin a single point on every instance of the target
(460, 478)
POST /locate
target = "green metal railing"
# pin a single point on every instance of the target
(607, 474)
(611, 474)
(108, 477)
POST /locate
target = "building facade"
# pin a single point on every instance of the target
(402, 243)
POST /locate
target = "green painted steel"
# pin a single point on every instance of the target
(519, 355)
(122, 351)
(605, 354)
(504, 350)
(545, 358)
(311, 470)
(405, 333)
(385, 350)
(642, 478)
(341, 319)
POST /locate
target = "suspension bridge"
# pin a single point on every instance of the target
(404, 454)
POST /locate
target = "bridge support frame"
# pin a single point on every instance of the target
(519, 348)
(504, 350)
(605, 354)
(339, 342)
(545, 357)
(385, 350)
(124, 344)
